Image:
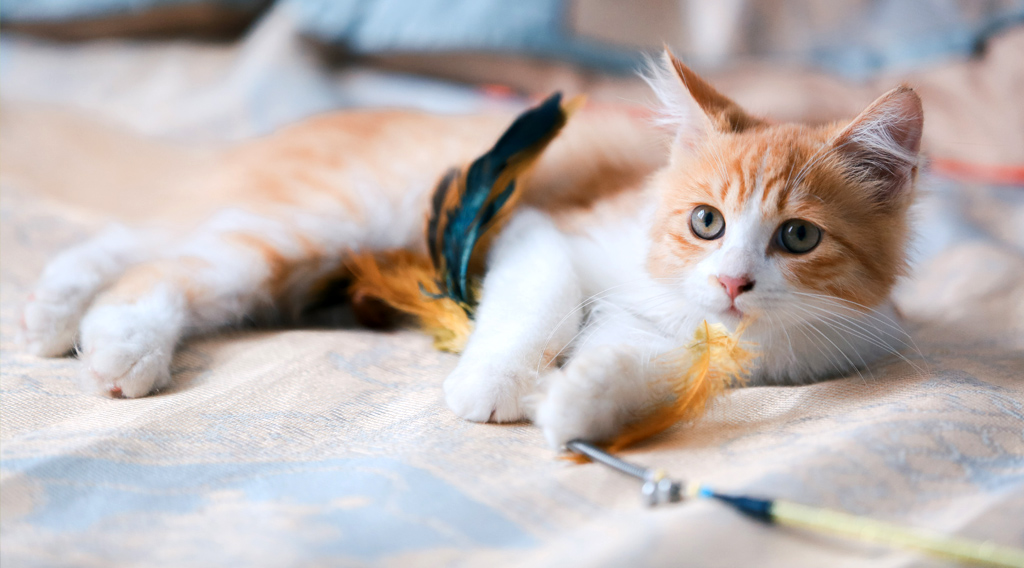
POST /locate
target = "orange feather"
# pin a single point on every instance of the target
(697, 374)
(399, 278)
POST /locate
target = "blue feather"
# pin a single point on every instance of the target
(457, 223)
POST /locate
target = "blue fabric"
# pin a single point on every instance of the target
(382, 506)
(534, 28)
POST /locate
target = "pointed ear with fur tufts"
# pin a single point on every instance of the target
(881, 145)
(691, 104)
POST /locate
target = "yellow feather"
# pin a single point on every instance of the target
(696, 373)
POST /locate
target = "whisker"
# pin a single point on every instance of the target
(717, 155)
(789, 341)
(819, 346)
(873, 340)
(832, 325)
(882, 317)
(864, 313)
(859, 323)
(874, 315)
(841, 352)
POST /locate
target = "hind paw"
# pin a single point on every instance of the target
(49, 325)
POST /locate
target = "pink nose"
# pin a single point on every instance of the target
(735, 286)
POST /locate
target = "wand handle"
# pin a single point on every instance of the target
(658, 488)
(870, 530)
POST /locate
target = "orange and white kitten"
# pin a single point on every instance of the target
(624, 241)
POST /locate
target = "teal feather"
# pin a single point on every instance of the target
(457, 223)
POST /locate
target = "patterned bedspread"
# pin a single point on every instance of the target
(332, 446)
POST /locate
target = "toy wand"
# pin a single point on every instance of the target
(659, 488)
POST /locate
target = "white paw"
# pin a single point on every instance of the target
(487, 391)
(593, 396)
(127, 348)
(49, 323)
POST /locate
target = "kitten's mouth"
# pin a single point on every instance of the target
(734, 312)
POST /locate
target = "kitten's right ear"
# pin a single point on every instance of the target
(691, 104)
(881, 145)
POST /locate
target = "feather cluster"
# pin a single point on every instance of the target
(440, 289)
(696, 374)
(405, 281)
(470, 204)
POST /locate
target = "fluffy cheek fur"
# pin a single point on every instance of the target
(676, 253)
(862, 250)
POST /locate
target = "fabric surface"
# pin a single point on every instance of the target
(328, 446)
(530, 28)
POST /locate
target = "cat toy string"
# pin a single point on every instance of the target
(658, 488)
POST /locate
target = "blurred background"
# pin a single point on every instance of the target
(228, 69)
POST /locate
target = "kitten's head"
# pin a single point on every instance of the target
(757, 217)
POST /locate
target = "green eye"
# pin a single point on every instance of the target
(707, 222)
(799, 236)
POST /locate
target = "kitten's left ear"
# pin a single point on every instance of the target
(691, 104)
(881, 145)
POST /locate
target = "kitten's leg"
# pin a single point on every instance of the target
(525, 317)
(235, 266)
(610, 381)
(50, 317)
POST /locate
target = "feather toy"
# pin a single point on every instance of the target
(469, 205)
(659, 489)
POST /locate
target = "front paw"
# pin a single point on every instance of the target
(593, 397)
(127, 349)
(488, 392)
